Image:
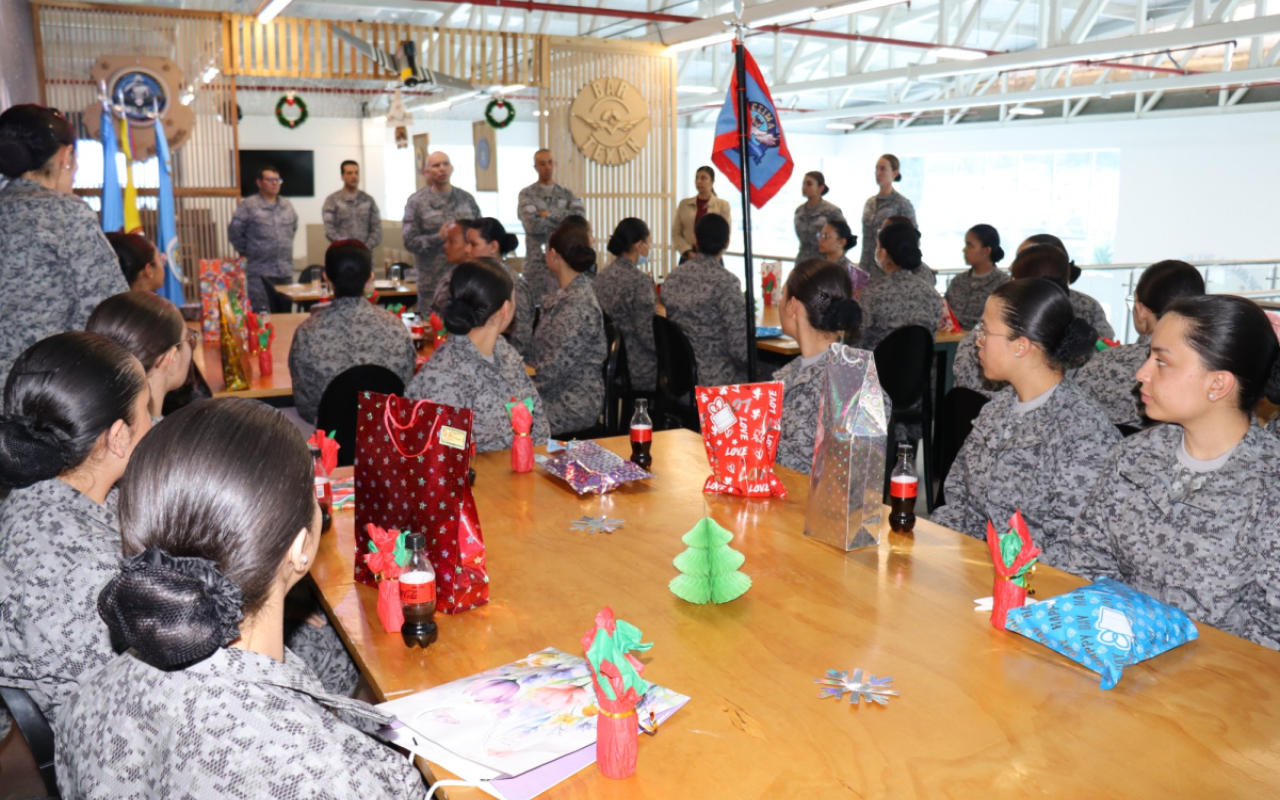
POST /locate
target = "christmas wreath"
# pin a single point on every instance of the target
(499, 103)
(295, 102)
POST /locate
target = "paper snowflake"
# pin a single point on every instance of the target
(873, 689)
(596, 524)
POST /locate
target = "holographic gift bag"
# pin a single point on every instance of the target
(741, 425)
(590, 469)
(846, 480)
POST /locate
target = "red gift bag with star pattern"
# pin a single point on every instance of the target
(411, 468)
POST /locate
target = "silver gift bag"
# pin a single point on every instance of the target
(846, 482)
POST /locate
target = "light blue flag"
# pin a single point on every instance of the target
(112, 204)
(167, 232)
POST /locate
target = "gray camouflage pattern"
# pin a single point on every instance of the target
(1044, 462)
(809, 222)
(424, 214)
(58, 549)
(559, 203)
(238, 724)
(1109, 379)
(705, 302)
(57, 266)
(568, 354)
(263, 233)
(875, 211)
(321, 648)
(1208, 543)
(895, 301)
(1090, 311)
(351, 331)
(626, 294)
(458, 375)
(352, 216)
(967, 295)
(802, 395)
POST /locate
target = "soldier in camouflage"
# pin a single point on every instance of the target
(543, 206)
(262, 230)
(627, 295)
(885, 203)
(968, 292)
(567, 356)
(426, 217)
(350, 213)
(813, 215)
(898, 298)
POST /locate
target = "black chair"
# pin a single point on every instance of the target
(904, 361)
(959, 409)
(35, 730)
(675, 406)
(339, 405)
(616, 382)
(312, 273)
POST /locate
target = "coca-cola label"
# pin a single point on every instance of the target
(902, 486)
(322, 489)
(641, 433)
(416, 593)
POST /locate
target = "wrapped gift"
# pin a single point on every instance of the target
(846, 480)
(521, 413)
(615, 675)
(948, 323)
(740, 429)
(590, 469)
(235, 369)
(411, 468)
(1014, 556)
(770, 271)
(218, 277)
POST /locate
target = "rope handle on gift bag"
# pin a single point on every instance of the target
(389, 422)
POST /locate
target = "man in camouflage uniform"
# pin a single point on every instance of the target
(426, 219)
(350, 213)
(262, 231)
(543, 206)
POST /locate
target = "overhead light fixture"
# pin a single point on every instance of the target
(271, 9)
(703, 41)
(958, 53)
(841, 126)
(790, 17)
(852, 8)
(1026, 111)
(697, 89)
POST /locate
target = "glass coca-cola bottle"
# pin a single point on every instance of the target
(904, 485)
(324, 491)
(641, 435)
(418, 595)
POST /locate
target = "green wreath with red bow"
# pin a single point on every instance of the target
(292, 101)
(496, 104)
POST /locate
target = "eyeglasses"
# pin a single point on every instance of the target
(272, 180)
(980, 334)
(192, 338)
(825, 236)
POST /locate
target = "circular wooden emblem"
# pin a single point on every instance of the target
(609, 121)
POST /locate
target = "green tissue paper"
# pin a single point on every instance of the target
(709, 568)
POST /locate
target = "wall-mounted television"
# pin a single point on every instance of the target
(297, 170)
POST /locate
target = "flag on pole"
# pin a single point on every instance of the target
(167, 230)
(112, 207)
(771, 164)
(132, 221)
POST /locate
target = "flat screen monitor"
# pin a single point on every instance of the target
(297, 170)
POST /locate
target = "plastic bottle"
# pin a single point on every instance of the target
(641, 435)
(324, 491)
(904, 485)
(418, 595)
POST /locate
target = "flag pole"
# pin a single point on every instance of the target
(744, 139)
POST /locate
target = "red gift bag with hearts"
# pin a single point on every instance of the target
(741, 425)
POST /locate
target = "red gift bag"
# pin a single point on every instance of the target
(411, 468)
(741, 425)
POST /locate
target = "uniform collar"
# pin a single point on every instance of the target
(56, 492)
(1029, 429)
(623, 261)
(1149, 467)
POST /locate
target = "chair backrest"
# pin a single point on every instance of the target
(340, 402)
(35, 730)
(312, 273)
(677, 366)
(903, 361)
(617, 379)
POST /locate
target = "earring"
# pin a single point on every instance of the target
(1212, 396)
(304, 559)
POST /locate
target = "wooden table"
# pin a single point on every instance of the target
(983, 713)
(304, 294)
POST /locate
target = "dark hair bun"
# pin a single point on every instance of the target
(997, 253)
(1272, 389)
(508, 243)
(459, 317)
(841, 315)
(15, 157)
(580, 257)
(171, 610)
(30, 452)
(1078, 340)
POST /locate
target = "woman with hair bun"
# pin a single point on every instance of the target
(885, 203)
(568, 346)
(1040, 443)
(817, 309)
(1188, 511)
(835, 241)
(626, 294)
(57, 263)
(488, 239)
(219, 520)
(141, 262)
(1087, 307)
(968, 292)
(899, 298)
(152, 329)
(813, 214)
(75, 407)
(476, 367)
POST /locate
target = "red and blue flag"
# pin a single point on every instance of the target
(769, 161)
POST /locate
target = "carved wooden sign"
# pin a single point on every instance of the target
(140, 85)
(609, 121)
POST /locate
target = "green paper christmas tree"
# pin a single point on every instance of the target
(709, 567)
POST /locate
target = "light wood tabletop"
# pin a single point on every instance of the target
(312, 292)
(278, 384)
(982, 713)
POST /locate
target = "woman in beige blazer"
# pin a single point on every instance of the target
(692, 209)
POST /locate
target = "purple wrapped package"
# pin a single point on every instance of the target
(591, 469)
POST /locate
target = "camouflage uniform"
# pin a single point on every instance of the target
(809, 223)
(895, 301)
(352, 216)
(1207, 542)
(263, 232)
(859, 278)
(1043, 460)
(57, 266)
(426, 212)
(458, 375)
(568, 354)
(1090, 311)
(705, 302)
(875, 211)
(626, 294)
(58, 549)
(350, 332)
(802, 381)
(236, 724)
(967, 295)
(1109, 379)
(559, 203)
(520, 332)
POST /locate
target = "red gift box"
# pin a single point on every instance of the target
(741, 425)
